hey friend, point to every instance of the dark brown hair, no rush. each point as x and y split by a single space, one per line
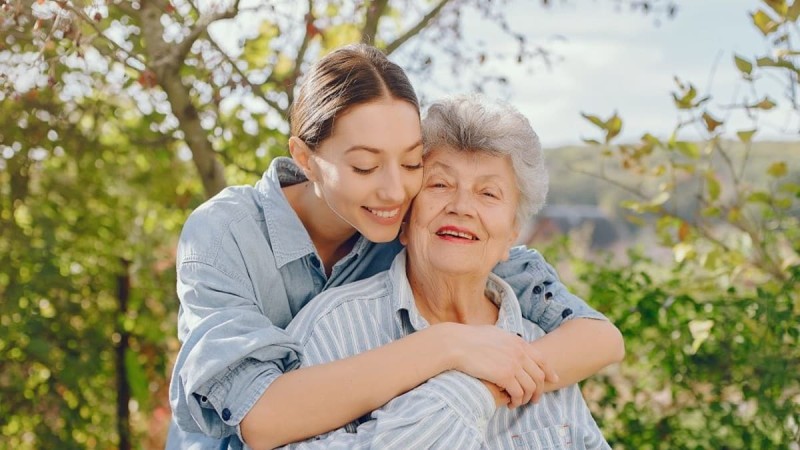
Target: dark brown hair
349 76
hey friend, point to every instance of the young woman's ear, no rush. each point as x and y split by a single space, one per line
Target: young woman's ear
301 155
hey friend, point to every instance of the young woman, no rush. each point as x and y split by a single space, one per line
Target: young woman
250 258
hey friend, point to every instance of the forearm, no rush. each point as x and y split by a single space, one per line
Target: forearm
449 411
580 348
314 400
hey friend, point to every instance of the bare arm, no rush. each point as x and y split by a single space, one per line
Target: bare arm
578 349
314 400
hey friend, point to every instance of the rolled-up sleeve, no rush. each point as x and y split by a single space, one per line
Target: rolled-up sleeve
449 411
231 352
544 300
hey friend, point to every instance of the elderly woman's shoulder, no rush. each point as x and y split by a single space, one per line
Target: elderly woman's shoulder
364 297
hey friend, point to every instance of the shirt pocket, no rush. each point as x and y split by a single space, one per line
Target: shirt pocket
555 437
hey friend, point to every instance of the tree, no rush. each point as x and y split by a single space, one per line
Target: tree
126 115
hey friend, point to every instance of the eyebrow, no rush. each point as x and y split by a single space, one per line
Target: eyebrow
377 150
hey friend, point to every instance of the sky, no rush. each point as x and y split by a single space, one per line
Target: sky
613 59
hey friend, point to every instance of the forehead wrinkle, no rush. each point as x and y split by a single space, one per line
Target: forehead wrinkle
450 170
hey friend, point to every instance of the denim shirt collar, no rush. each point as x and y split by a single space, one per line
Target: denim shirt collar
509 317
289 238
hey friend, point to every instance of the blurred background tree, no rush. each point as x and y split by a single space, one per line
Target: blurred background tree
120 117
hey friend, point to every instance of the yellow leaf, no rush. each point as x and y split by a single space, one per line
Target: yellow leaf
777 169
688 148
713 186
764 22
700 331
594 119
746 136
683 251
779 6
744 66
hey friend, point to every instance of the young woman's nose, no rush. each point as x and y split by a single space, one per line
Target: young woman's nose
392 186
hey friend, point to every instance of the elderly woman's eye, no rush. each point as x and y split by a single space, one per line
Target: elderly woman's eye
490 194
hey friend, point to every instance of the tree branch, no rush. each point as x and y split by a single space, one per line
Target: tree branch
413 31
205 159
254 87
201 26
88 20
375 11
289 83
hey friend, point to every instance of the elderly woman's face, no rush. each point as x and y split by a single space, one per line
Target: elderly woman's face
464 218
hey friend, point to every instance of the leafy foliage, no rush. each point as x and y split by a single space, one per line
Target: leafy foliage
712 335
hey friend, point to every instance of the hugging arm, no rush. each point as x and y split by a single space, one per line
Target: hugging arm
580 341
450 411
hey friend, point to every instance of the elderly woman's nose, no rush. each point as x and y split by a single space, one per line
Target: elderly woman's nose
461 202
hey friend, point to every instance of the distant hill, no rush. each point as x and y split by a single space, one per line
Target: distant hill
577 200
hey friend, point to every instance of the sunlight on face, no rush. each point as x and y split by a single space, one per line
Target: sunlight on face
370 168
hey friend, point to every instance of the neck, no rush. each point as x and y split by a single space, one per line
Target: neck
451 298
333 238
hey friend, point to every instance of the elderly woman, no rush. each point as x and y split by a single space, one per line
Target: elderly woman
484 175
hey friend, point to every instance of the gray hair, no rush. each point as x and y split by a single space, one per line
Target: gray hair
476 124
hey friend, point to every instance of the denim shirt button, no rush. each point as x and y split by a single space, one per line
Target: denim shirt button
226 414
537 290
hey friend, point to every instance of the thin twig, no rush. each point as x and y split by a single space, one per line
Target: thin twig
413 31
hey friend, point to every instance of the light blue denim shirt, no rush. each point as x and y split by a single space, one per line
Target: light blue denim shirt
246 266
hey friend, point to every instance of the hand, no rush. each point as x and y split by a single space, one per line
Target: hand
492 354
501 397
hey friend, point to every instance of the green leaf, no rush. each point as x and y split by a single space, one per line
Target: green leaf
780 62
137 379
257 51
759 197
744 66
713 186
764 22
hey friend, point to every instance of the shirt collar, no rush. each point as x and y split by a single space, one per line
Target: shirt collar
509 317
288 236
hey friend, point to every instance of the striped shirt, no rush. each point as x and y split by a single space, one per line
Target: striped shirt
449 411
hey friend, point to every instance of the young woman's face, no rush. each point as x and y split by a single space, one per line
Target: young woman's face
370 168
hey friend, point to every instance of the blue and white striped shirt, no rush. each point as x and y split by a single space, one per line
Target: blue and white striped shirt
451 410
